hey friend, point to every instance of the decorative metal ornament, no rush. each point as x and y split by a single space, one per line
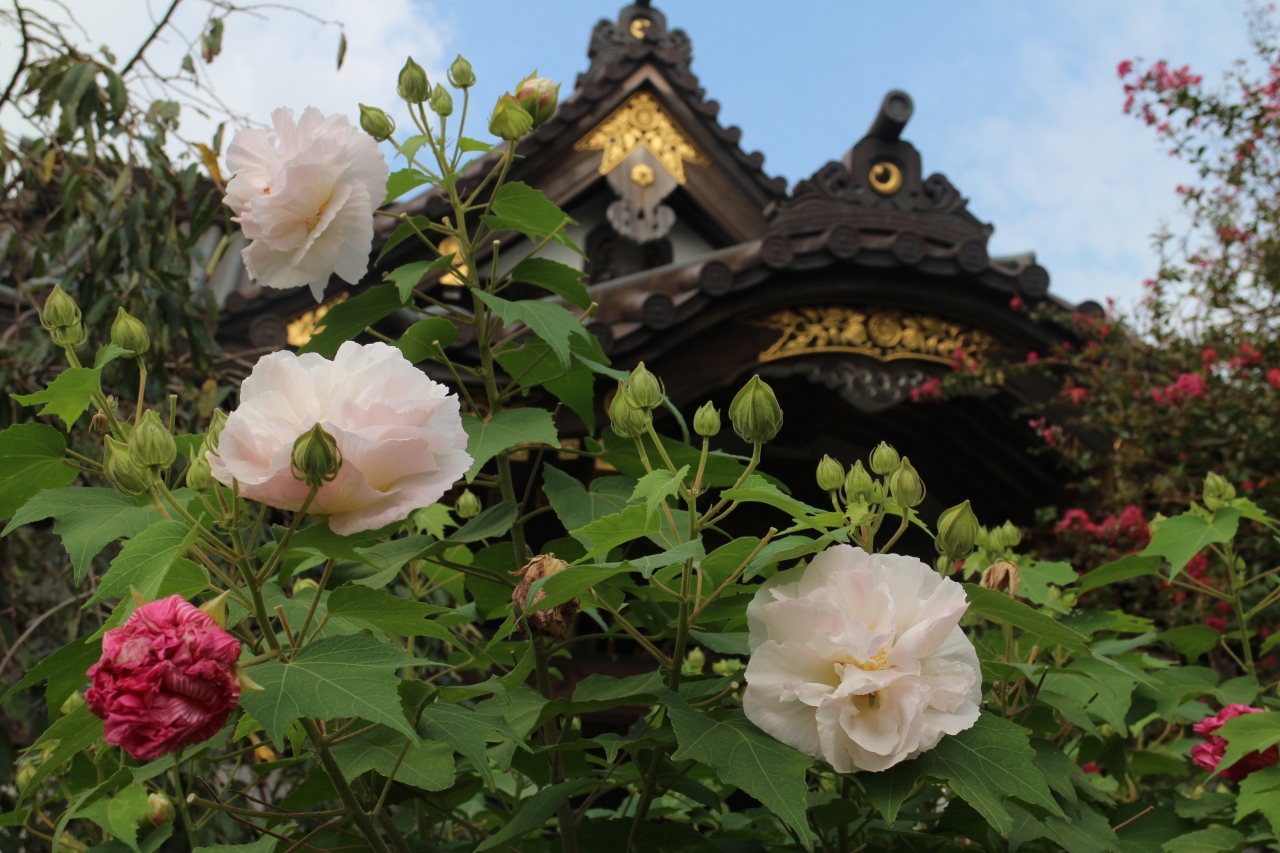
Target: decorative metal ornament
639 25
882 334
642 122
642 175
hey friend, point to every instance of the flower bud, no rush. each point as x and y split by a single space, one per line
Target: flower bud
128 478
645 389
884 459
468 505
150 444
755 413
75 700
214 432
316 457
128 333
858 484
554 621
694 662
302 585
706 421
27 769
509 120
199 475
68 336
1218 491
1002 576
99 424
413 85
538 96
957 530
376 123
441 102
830 474
1007 535
60 311
460 74
159 810
875 495
628 419
905 486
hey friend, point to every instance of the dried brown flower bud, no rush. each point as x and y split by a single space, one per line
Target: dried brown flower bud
99 424
1002 576
554 621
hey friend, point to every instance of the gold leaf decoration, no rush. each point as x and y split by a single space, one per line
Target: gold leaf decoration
881 333
642 121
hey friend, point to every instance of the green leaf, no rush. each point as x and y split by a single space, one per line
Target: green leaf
1260 791
402 181
1180 538
348 676
547 320
757 489
577 506
490 524
108 353
406 278
119 815
68 395
747 758
1001 608
1192 640
76 731
1219 839
1126 568
17 817
728 643
145 560
403 232
427 765
87 519
889 789
418 342
1249 733
64 670
265 844
569 584
1037 578
1103 691
519 207
611 531
533 813
466 732
987 763
534 366
346 320
30 462
321 539
507 428
655 487
467 145
561 279
402 616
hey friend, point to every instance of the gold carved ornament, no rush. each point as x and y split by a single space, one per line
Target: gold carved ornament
883 334
641 121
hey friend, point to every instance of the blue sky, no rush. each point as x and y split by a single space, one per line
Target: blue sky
1017 103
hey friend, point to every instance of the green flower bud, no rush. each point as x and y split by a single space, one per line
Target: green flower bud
159 810
214 432
316 457
27 770
75 700
302 585
957 531
628 419
645 389
876 494
706 421
468 505
460 74
1218 491
376 123
830 474
413 85
509 121
884 459
539 97
694 662
755 413
128 478
60 311
128 333
150 444
441 102
1007 535
858 485
68 336
905 487
199 476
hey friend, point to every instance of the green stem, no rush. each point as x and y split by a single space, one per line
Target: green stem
348 796
182 803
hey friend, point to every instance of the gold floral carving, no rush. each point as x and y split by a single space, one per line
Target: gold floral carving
641 121
884 334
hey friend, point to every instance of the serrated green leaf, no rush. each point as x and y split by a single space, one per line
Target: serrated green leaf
1218 839
427 765
549 321
1180 538
1192 640
569 584
418 342
108 353
607 533
346 320
561 279
1102 690
535 367
467 145
1126 568
406 277
68 395
87 519
988 763
145 560
76 731
1249 733
747 758
655 487
490 524
533 813
403 232
467 732
402 181
265 844
381 609
507 428
348 676
119 815
1260 791
31 460
889 789
1038 578
518 207
1001 608
577 506
64 670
